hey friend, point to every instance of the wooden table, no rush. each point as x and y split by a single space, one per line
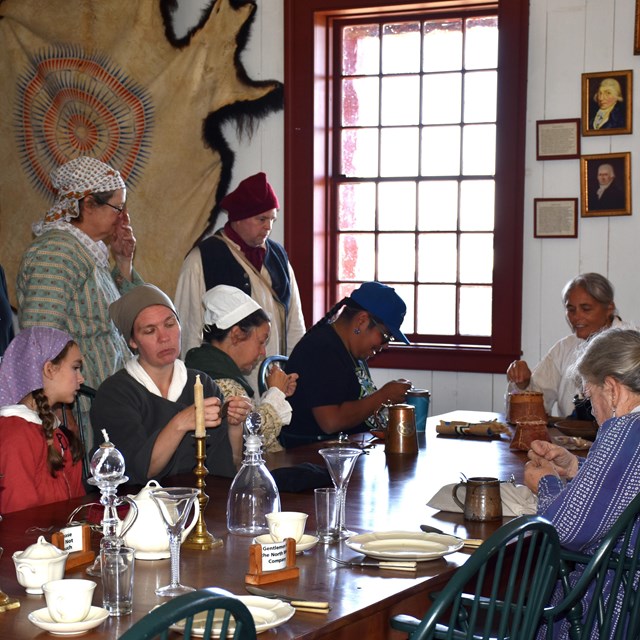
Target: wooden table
385 492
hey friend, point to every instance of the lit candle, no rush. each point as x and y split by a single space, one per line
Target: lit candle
198 396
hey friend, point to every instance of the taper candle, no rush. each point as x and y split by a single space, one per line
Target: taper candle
198 397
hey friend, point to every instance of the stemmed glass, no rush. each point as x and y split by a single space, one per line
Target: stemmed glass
340 462
174 504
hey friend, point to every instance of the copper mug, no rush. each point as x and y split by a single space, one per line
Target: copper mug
401 435
482 501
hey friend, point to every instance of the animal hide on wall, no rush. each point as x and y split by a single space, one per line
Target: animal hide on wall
111 80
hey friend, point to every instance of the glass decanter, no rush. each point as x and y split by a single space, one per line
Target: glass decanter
253 492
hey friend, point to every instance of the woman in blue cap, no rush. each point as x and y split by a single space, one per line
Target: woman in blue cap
335 392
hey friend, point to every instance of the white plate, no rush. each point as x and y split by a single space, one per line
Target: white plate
404 545
306 542
267 613
42 619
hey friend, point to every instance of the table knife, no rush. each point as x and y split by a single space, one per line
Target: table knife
397 565
468 542
298 603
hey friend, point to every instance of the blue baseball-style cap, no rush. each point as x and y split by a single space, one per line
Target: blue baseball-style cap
385 304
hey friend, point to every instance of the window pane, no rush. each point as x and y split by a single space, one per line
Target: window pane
437 261
356 206
442 45
360 102
396 257
399 152
438 205
476 257
407 294
397 206
360 152
480 96
401 47
481 46
356 256
441 151
477 205
441 98
437 309
400 100
479 150
475 311
361 49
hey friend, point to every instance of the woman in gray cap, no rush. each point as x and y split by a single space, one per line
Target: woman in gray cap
148 409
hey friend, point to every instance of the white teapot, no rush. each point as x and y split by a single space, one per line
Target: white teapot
39 563
148 534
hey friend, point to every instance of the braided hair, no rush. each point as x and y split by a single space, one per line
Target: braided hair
349 307
49 419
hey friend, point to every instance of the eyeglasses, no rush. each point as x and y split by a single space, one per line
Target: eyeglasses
386 336
120 210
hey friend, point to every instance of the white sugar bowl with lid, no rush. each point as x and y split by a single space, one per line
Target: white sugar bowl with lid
39 563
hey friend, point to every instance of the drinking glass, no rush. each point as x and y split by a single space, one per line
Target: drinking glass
340 462
174 504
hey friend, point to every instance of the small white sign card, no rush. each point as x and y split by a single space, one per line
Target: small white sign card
274 556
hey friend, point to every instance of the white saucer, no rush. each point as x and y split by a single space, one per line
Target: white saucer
306 542
42 619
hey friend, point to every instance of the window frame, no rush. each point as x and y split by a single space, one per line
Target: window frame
307 193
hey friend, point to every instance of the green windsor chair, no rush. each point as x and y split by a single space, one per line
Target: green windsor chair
80 408
499 592
264 369
606 607
221 617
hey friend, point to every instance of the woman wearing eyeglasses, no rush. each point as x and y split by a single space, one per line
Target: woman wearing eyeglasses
335 392
65 280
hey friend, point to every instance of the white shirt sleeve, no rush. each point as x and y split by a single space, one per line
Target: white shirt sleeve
295 320
188 300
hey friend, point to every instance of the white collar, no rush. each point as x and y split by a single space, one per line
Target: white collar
20 411
178 379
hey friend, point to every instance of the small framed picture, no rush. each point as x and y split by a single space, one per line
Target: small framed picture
558 139
555 218
636 36
606 103
605 184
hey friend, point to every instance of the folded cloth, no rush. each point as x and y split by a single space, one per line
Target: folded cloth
481 429
302 477
517 500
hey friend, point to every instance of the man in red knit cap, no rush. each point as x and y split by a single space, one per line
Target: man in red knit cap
242 255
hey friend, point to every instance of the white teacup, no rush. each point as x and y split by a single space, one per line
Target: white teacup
69 600
286 524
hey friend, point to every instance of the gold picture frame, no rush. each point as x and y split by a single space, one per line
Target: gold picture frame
605 184
607 101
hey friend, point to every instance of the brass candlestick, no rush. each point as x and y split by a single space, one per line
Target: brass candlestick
200 538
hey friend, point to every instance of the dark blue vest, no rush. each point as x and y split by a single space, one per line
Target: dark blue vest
220 267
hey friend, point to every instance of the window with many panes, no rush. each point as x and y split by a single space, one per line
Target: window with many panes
414 154
416 169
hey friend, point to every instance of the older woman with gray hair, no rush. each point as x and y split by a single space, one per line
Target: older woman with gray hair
584 497
589 308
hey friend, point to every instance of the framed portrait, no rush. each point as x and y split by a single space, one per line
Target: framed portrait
555 218
607 103
558 139
605 184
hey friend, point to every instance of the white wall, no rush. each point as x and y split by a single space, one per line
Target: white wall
566 38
